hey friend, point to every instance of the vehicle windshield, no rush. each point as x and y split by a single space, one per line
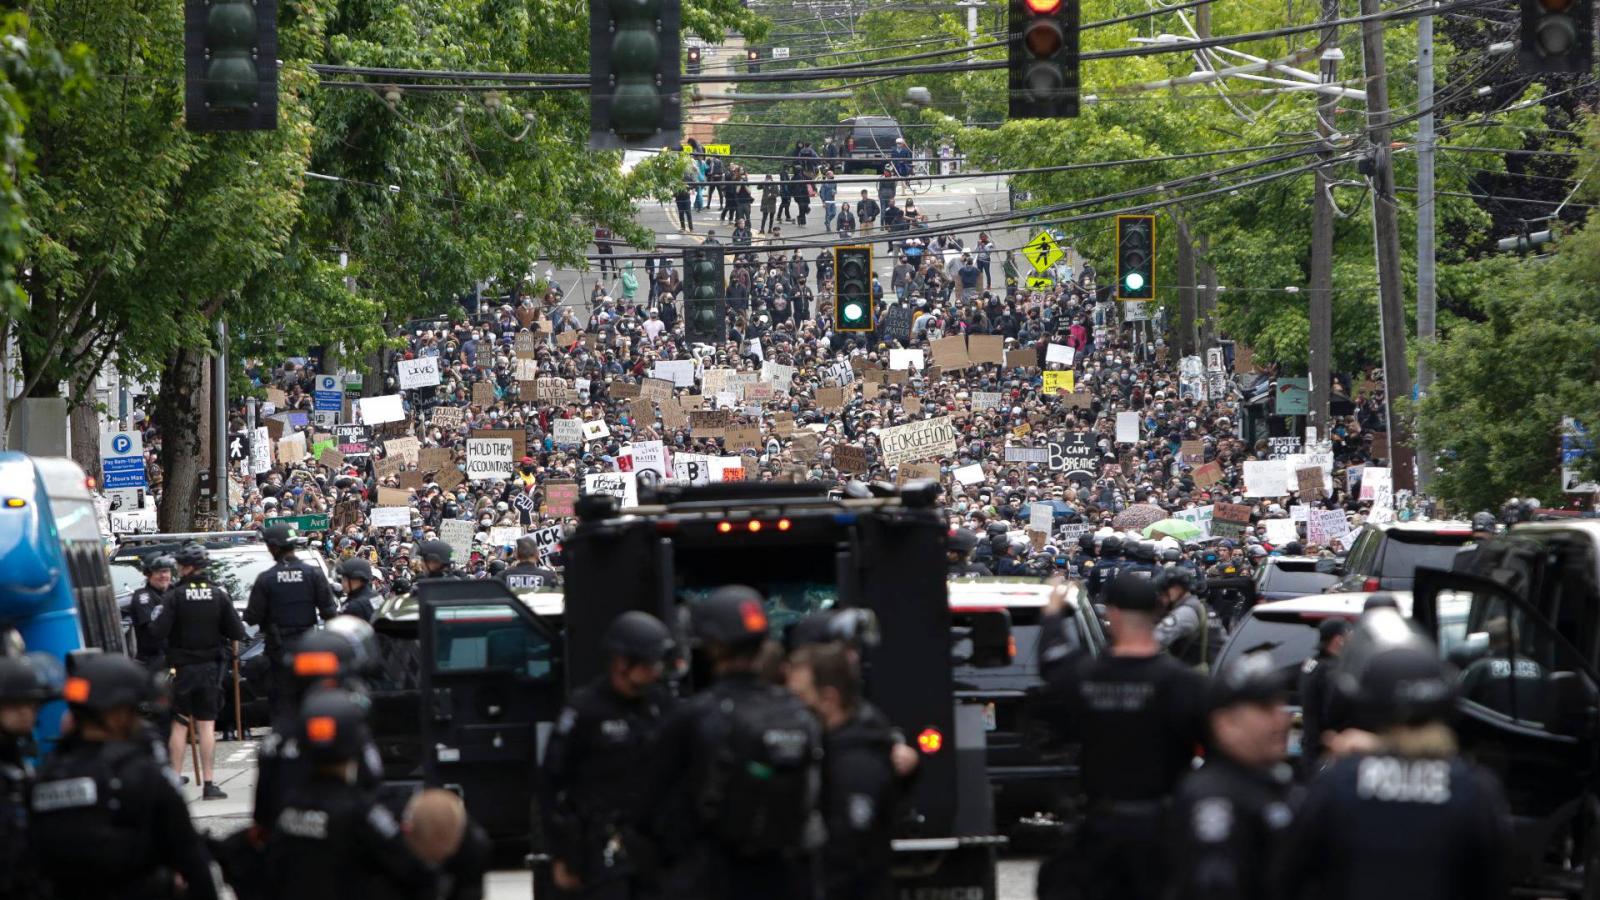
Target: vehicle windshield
1299 578
1408 551
1289 638
790 577
1025 635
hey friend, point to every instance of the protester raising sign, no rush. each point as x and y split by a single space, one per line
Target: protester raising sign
489 458
918 440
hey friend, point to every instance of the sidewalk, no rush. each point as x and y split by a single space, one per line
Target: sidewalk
235 773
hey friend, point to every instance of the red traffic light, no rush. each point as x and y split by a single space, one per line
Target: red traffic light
1042 7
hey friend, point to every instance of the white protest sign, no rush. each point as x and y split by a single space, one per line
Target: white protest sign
837 373
596 430
1370 478
505 535
132 521
1381 482
651 455
918 440
722 465
378 410
458 533
691 468
972 474
1299 512
678 371
547 538
419 373
567 432
1040 517
906 359
1200 516
1058 353
781 376
1320 459
621 485
1324 526
1127 428
1280 531
261 452
1267 478
390 516
490 458
986 399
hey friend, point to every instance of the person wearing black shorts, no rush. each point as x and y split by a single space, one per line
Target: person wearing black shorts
195 618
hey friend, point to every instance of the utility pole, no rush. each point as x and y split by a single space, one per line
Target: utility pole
219 428
1386 240
1321 312
1426 297
972 25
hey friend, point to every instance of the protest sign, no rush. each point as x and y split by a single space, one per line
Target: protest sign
388 496
641 411
482 393
951 353
547 538
837 373
1281 447
1193 453
449 476
850 458
596 430
709 423
741 437
458 533
918 440
906 359
1058 382
390 516
1060 354
490 458
830 398
1280 531
447 417
1207 475
1230 512
924 471
1040 517
622 390
1310 481
378 410
655 389
971 474
559 497
1030 455
780 376
404 449
353 440
1325 525
1021 359
1127 427
1201 516
432 459
1266 478
418 373
691 468
292 449
986 348
517 436
896 323
614 484
410 479
986 399
567 432
678 371
1076 455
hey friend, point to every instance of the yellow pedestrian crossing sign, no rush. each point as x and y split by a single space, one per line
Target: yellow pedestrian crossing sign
1043 252
1039 283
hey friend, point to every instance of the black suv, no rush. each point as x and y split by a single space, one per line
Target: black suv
1031 776
1386 557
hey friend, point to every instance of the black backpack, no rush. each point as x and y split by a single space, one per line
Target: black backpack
762 790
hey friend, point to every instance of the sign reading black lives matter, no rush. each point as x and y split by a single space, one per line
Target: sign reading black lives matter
1075 455
918 440
896 322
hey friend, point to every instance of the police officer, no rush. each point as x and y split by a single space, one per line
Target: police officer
1484 527
1403 816
143 606
285 602
1111 563
959 552
1315 686
1229 817
734 795
1143 555
859 776
1139 714
436 556
21 692
332 840
1183 630
106 820
592 784
527 574
360 600
1085 562
195 620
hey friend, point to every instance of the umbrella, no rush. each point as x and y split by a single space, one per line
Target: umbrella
1138 516
1179 529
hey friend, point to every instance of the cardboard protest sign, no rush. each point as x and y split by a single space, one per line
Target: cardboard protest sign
1310 480
1058 382
1231 512
410 479
449 476
566 339
393 497
691 468
432 459
850 458
404 449
482 393
1021 359
986 348
830 398
447 417
641 412
1192 453
490 458
292 449
655 389
517 436
741 437
559 497
525 341
951 353
918 440
418 373
622 390
912 405
1207 475
917 471
332 458
709 423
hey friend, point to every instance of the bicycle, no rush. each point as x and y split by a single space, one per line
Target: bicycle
918 181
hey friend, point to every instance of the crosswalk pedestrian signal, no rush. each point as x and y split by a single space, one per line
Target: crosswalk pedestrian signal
852 274
1557 36
1136 253
230 65
705 296
1043 49
634 77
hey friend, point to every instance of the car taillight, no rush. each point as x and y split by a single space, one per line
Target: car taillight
1371 584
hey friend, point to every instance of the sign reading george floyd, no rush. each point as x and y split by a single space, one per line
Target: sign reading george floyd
918 440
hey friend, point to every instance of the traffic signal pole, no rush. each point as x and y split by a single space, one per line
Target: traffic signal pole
1321 311
1386 240
1426 297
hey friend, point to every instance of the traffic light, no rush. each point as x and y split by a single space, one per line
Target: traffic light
705 296
691 63
752 58
1557 36
634 74
1136 257
230 65
852 284
1043 44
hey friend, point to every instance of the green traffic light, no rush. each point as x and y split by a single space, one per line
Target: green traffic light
853 312
1134 281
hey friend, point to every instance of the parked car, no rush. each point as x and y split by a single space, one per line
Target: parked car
865 142
1529 707
1287 577
1032 777
1386 557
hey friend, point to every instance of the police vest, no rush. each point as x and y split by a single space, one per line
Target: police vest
290 587
197 630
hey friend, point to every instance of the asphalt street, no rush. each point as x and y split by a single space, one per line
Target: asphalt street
236 775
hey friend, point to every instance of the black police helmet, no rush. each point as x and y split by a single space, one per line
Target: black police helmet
362 639
1252 678
1086 544
281 537
1483 521
192 555
963 540
732 614
333 726
1111 547
157 563
19 683
1133 593
356 567
1392 674
637 636
435 551
1175 577
1171 555
497 566
857 627
321 654
102 682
